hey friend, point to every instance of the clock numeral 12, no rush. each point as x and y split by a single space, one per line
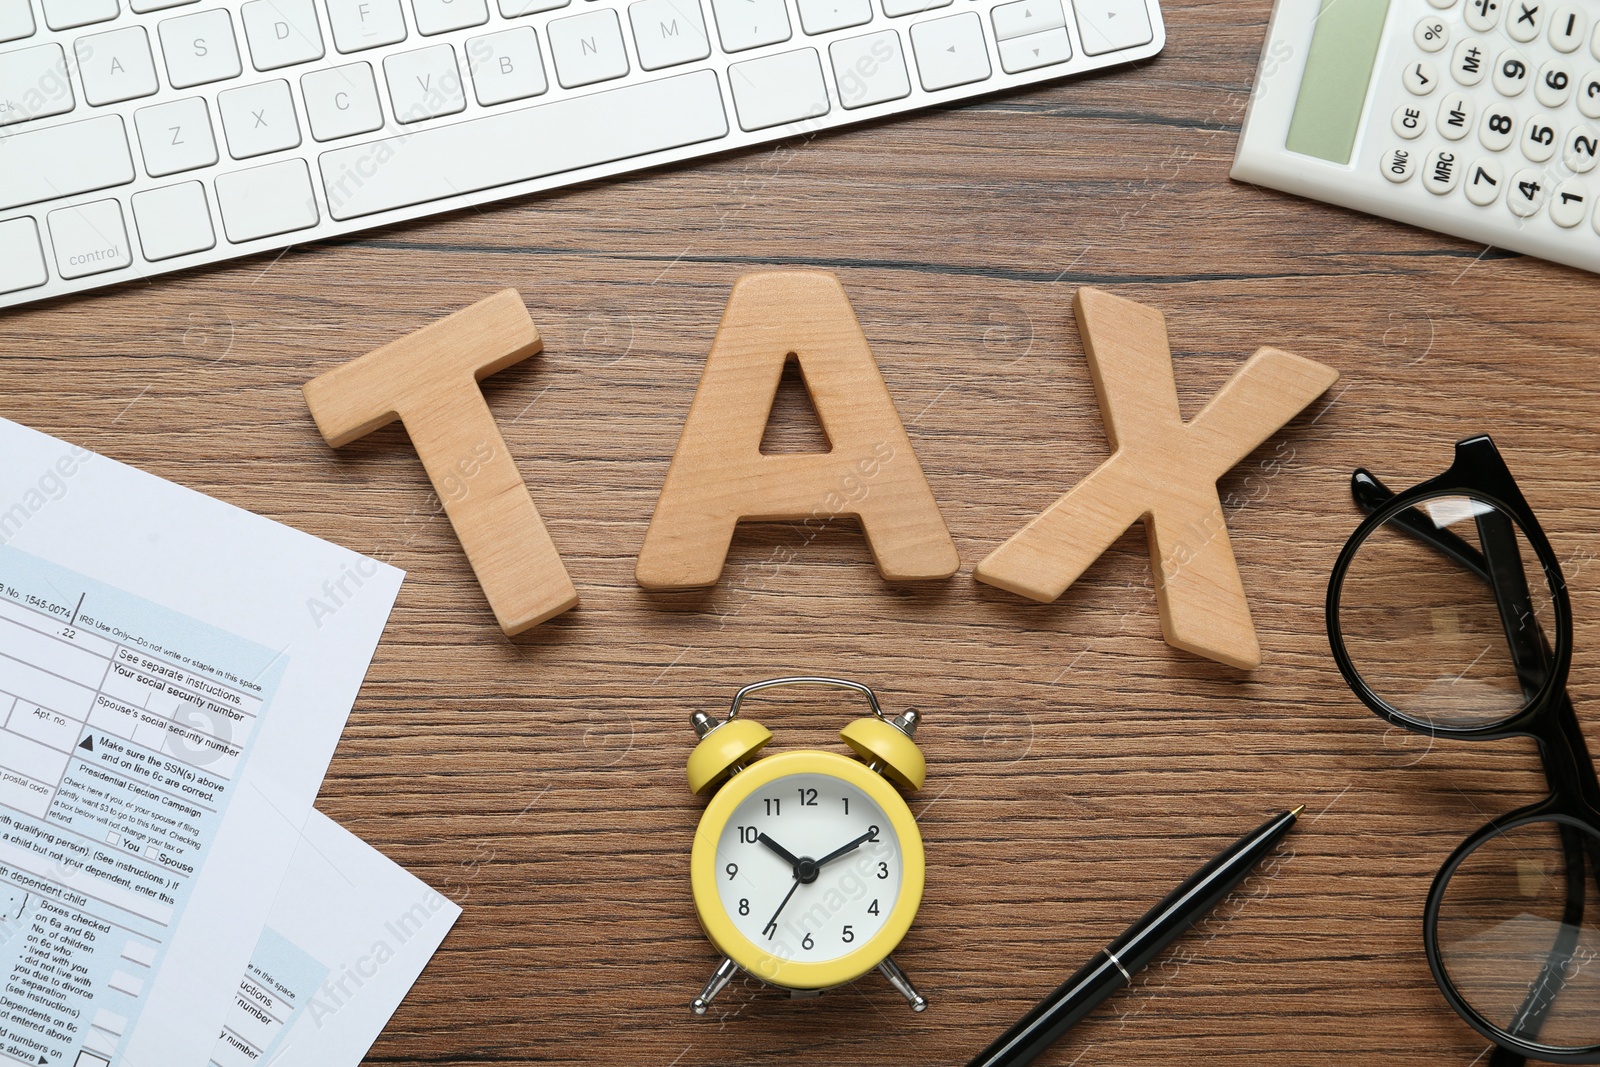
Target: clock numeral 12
808 798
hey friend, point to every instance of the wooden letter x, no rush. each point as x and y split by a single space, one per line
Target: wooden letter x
429 381
1165 472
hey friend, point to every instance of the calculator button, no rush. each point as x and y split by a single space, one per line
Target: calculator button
1483 181
1431 34
1483 15
1539 138
1567 28
1589 95
1554 86
1443 4
1398 165
1442 172
1527 193
1497 129
1525 19
1510 73
1569 203
1582 144
1456 116
1469 61
1421 78
1408 122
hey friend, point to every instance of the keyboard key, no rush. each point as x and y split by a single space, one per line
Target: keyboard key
776 89
897 8
1510 73
1525 19
116 66
506 66
258 119
425 83
57 161
33 84
869 69
16 22
950 51
514 146
1527 193
266 201
1483 181
1457 116
1582 144
514 8
1569 203
744 24
668 32
341 101
1469 62
1025 17
1539 138
1568 26
1112 25
361 24
70 14
175 137
587 48
823 16
1442 171
173 221
281 33
89 239
1034 51
144 6
21 258
1497 128
199 48
442 16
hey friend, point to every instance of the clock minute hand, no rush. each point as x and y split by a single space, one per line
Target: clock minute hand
870 835
772 923
789 857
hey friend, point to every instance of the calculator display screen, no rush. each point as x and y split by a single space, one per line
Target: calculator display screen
1334 88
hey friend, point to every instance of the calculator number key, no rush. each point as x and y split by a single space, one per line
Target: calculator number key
1497 129
1527 193
1554 84
1510 73
1398 165
1409 122
1582 146
1589 95
1539 138
1470 62
1569 203
1421 78
1456 116
1483 181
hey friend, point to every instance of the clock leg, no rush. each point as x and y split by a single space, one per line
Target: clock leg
725 972
898 979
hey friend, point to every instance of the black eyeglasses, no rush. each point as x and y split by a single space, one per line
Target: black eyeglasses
1436 627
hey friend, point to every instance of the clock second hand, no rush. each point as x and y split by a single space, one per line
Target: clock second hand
772 923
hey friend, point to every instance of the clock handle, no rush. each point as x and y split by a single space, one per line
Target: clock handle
832 683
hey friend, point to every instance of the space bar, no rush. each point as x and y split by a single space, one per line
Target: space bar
581 131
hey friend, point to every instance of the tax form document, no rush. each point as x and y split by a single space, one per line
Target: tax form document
349 934
174 676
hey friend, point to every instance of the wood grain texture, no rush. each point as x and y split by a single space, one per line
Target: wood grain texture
1163 471
1078 767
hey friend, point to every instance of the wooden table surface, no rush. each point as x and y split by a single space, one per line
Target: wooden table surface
1078 766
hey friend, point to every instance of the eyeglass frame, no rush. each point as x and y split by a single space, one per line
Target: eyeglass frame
1479 472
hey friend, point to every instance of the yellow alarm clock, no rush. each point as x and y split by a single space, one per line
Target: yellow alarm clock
807 866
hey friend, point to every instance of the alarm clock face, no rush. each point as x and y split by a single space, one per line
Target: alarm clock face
808 868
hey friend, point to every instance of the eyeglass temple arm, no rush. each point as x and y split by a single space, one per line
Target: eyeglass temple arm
1530 652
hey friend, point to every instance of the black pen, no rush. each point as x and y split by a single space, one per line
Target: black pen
1113 966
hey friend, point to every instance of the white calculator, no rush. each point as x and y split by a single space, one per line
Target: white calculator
1477 118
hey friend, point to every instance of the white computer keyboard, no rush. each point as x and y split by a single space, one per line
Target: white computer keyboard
1476 118
145 136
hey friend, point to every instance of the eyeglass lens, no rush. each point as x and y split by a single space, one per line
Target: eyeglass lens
1519 933
1424 626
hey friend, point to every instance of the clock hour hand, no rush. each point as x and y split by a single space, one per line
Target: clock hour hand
789 857
870 835
772 923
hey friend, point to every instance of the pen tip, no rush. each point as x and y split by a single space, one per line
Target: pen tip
1296 812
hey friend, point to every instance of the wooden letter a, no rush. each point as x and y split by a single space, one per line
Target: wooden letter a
719 476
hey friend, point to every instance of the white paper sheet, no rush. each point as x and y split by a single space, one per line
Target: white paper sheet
174 676
349 933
